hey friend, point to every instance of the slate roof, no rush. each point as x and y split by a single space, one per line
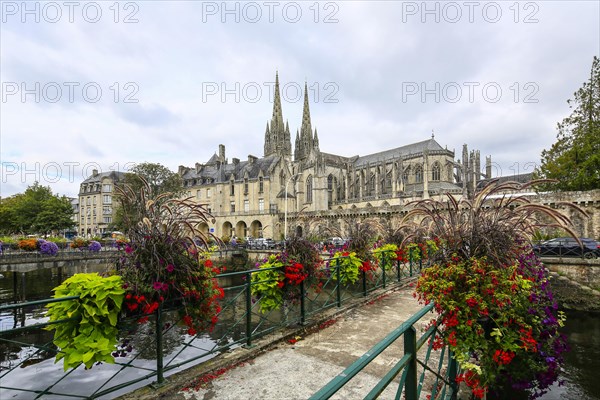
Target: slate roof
222 172
410 149
114 175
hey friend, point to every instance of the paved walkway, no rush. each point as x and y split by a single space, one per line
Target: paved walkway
279 370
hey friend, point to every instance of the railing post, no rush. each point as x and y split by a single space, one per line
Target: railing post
383 264
398 269
452 371
159 346
410 347
248 309
338 291
364 282
410 262
302 303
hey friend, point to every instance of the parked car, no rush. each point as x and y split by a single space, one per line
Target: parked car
568 247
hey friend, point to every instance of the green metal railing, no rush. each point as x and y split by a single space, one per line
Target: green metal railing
442 382
240 324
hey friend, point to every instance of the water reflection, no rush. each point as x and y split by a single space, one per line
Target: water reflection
582 362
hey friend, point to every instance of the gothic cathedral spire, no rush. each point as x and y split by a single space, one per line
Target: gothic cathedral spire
277 136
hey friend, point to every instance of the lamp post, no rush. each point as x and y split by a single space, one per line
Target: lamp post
285 210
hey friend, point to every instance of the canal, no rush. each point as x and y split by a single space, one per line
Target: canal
580 376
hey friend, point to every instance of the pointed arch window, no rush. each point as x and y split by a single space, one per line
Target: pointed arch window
405 175
261 184
419 174
309 189
436 171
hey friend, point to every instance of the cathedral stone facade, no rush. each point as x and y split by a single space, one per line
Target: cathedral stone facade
310 190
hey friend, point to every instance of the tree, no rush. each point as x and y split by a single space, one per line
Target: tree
159 179
36 211
574 160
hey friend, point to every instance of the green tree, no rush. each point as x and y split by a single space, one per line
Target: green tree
574 159
37 210
160 180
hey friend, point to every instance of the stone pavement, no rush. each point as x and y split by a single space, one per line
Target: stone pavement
278 369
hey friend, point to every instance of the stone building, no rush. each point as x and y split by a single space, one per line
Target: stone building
96 208
262 196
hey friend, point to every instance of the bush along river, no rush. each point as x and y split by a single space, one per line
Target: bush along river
579 379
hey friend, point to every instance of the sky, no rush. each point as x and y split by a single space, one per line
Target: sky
105 85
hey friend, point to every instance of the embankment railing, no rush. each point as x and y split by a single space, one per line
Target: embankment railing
150 352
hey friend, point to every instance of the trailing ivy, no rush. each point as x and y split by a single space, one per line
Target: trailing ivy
90 334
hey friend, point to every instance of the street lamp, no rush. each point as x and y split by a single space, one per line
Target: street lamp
285 210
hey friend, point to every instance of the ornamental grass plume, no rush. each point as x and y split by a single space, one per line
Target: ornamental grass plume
491 293
167 256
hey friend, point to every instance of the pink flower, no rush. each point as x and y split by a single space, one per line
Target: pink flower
170 268
157 286
128 249
165 287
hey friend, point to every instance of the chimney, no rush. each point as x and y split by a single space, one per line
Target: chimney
488 167
94 172
251 158
236 161
222 153
181 170
198 167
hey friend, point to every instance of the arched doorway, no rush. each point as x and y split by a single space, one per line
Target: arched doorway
256 229
227 229
241 230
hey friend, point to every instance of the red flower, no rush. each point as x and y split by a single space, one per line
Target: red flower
208 264
192 332
280 284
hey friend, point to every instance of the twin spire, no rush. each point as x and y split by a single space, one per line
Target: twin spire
277 136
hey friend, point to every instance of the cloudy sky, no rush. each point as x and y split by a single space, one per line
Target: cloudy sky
108 84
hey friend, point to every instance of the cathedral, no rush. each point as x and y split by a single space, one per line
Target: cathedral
310 192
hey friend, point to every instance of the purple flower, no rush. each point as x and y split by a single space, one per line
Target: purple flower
170 268
157 286
94 246
48 248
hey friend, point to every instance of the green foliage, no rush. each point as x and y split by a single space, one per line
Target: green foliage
385 255
36 210
90 336
349 265
156 180
574 159
268 282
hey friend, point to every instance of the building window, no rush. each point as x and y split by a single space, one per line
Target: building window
88 201
231 188
208 193
309 189
107 188
246 205
419 174
94 200
260 184
261 205
273 208
435 172
245 185
232 206
282 178
198 194
107 220
405 176
107 199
